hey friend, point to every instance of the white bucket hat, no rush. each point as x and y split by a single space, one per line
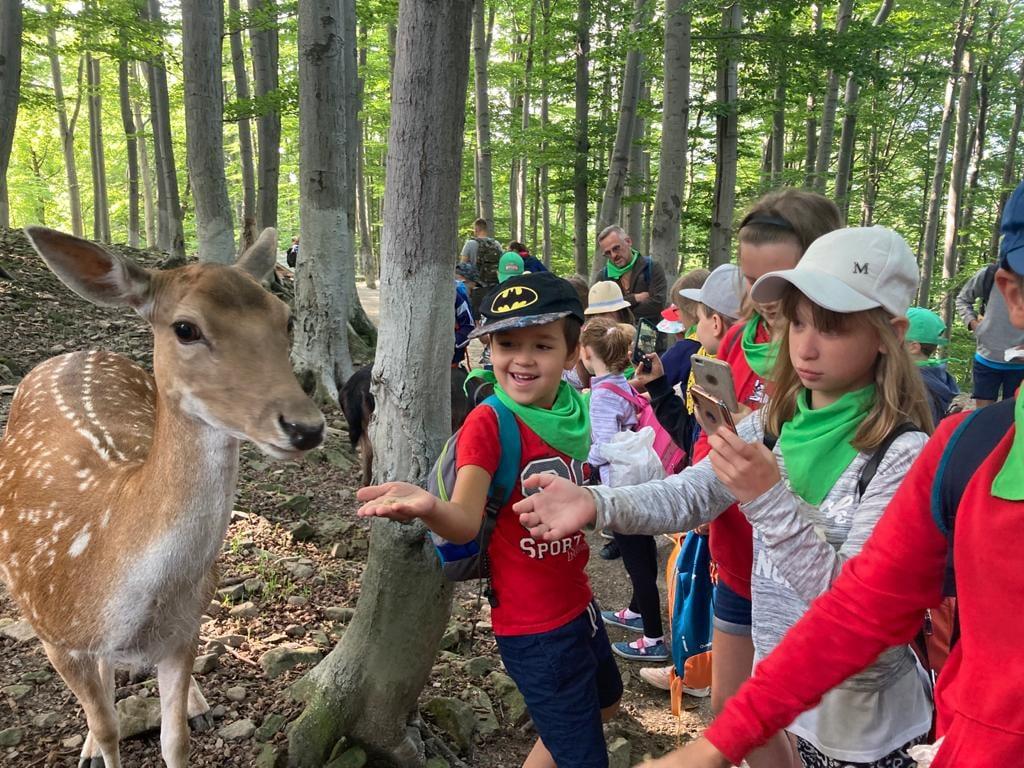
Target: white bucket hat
605 296
849 270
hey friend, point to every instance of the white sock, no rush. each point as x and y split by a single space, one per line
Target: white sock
628 614
653 640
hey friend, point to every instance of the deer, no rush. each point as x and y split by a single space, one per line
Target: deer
116 485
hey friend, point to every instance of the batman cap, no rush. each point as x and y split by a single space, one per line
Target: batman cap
534 299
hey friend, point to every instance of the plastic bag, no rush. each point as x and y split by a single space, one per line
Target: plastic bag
924 753
632 459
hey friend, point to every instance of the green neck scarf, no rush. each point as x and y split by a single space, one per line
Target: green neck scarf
760 355
565 426
815 443
614 273
930 362
1009 483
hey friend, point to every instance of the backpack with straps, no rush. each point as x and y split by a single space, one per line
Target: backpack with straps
465 562
673 458
987 283
488 254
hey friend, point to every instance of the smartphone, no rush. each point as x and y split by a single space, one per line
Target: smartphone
715 378
712 413
646 343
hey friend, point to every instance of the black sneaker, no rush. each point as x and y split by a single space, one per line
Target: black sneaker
610 551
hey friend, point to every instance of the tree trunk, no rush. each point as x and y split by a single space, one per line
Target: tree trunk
929 242
844 166
245 152
524 125
976 144
128 120
867 211
668 199
636 186
1009 165
828 112
726 135
67 127
611 203
263 35
811 129
542 185
957 179
360 690
320 352
366 259
483 112
170 232
778 138
148 199
100 201
11 21
581 208
202 26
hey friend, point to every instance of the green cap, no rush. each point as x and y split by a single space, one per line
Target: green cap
926 327
509 265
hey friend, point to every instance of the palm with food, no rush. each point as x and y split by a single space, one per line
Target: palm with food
396 501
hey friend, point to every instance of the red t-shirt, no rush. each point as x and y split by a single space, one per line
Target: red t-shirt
878 601
540 585
732 539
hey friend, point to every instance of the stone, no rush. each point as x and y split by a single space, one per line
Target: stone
269 757
18 631
337 528
218 712
136 714
512 702
245 610
17 691
301 571
486 722
479 666
277 661
46 720
320 638
11 737
297 600
253 586
204 664
239 729
337 458
231 641
73 742
619 753
340 614
236 693
455 718
271 724
350 758
450 639
295 630
234 593
37 676
339 550
215 647
437 762
302 530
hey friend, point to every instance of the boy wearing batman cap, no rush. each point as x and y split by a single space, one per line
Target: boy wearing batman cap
548 626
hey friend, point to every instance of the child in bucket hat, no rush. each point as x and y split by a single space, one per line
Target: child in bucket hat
544 614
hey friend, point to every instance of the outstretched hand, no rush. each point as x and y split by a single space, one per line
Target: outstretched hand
746 469
396 501
558 509
697 754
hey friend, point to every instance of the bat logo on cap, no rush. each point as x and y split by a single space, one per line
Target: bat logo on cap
511 299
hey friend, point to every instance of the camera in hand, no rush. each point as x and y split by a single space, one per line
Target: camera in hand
646 344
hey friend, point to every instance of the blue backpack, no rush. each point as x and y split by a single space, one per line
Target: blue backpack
465 562
691 605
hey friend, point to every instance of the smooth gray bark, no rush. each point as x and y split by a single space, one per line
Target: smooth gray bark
11 21
581 208
245 150
726 138
148 193
132 145
957 180
367 262
264 38
481 51
97 156
828 110
66 126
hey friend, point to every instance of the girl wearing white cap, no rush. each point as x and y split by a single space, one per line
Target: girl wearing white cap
844 392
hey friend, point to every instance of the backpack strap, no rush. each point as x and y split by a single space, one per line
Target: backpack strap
987 283
647 271
969 445
504 480
867 473
632 396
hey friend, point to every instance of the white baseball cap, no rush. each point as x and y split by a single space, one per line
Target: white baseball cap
721 292
849 270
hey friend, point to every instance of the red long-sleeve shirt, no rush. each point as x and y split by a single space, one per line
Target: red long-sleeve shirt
878 601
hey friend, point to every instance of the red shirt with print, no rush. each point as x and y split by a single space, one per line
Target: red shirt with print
540 585
732 538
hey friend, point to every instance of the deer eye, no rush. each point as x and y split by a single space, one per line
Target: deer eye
187 333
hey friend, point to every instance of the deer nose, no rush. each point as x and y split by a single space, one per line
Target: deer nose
302 436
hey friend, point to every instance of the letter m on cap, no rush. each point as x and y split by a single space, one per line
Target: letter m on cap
860 269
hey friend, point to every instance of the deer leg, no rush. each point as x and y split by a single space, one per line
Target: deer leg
92 682
199 717
174 675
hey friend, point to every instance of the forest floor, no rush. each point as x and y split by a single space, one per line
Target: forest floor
286 591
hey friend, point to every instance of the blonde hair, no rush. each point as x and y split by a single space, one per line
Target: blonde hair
610 341
900 394
693 279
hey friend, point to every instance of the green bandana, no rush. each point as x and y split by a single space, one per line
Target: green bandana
614 273
760 355
815 443
565 426
1009 483
931 362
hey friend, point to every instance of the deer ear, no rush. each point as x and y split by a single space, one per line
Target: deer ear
92 272
261 256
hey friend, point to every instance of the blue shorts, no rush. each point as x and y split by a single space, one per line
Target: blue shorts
732 611
988 381
567 676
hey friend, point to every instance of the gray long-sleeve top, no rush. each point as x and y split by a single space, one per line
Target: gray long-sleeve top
799 549
995 334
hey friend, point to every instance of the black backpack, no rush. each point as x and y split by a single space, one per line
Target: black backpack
488 254
988 281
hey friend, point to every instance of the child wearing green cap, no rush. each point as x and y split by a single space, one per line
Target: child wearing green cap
925 335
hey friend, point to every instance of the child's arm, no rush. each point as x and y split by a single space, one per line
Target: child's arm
457 520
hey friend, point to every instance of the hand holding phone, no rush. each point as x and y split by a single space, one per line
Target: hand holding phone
711 413
714 377
646 343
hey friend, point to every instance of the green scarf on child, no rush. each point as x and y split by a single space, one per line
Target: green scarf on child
760 355
565 426
815 443
1009 482
614 272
